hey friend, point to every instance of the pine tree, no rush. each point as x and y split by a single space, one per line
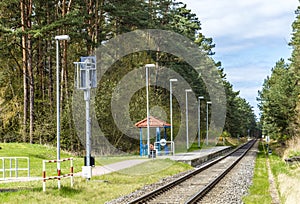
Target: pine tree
277 101
295 72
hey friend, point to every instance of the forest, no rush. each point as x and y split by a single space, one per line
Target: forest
279 99
28 67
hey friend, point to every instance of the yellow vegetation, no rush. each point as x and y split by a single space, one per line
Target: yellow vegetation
293 148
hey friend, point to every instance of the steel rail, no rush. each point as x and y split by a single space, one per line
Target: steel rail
200 194
149 196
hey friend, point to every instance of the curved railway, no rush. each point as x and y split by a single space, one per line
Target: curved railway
192 187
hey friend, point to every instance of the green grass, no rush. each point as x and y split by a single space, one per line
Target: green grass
294 153
259 190
36 153
194 146
98 190
278 166
105 160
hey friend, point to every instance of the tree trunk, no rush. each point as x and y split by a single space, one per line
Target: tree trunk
24 68
31 92
31 76
49 65
50 83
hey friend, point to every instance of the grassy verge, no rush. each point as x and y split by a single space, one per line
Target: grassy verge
36 153
278 167
259 190
105 160
98 190
286 178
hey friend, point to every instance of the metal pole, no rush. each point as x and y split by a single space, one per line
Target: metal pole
87 119
207 103
187 121
88 126
199 120
57 109
148 122
187 118
171 112
206 123
58 38
148 114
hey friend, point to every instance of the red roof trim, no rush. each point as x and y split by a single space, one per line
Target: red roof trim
154 122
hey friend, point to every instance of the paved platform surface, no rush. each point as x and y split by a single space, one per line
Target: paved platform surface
106 169
199 156
197 153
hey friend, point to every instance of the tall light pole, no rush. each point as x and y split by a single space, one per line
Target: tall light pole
147 66
171 111
207 103
199 119
58 38
187 117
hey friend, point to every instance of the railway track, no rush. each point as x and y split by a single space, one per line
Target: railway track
192 187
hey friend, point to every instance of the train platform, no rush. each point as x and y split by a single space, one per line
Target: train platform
199 157
194 159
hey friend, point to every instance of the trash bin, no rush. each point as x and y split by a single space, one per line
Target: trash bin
152 153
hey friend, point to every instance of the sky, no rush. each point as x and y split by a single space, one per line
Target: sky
250 37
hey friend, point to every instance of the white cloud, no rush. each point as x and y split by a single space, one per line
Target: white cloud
251 74
250 94
244 18
230 45
247 92
250 36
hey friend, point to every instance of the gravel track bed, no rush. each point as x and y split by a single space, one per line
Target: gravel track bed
185 190
146 189
229 190
235 185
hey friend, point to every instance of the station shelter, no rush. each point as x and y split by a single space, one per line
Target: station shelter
153 123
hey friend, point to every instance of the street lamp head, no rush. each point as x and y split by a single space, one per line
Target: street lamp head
201 97
208 102
188 90
62 37
150 65
173 80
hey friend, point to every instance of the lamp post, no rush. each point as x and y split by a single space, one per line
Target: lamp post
147 66
171 111
58 38
207 103
199 133
187 117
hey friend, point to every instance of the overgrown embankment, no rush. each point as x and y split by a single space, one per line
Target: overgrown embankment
286 176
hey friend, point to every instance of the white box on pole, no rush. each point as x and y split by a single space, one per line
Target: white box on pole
87 172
